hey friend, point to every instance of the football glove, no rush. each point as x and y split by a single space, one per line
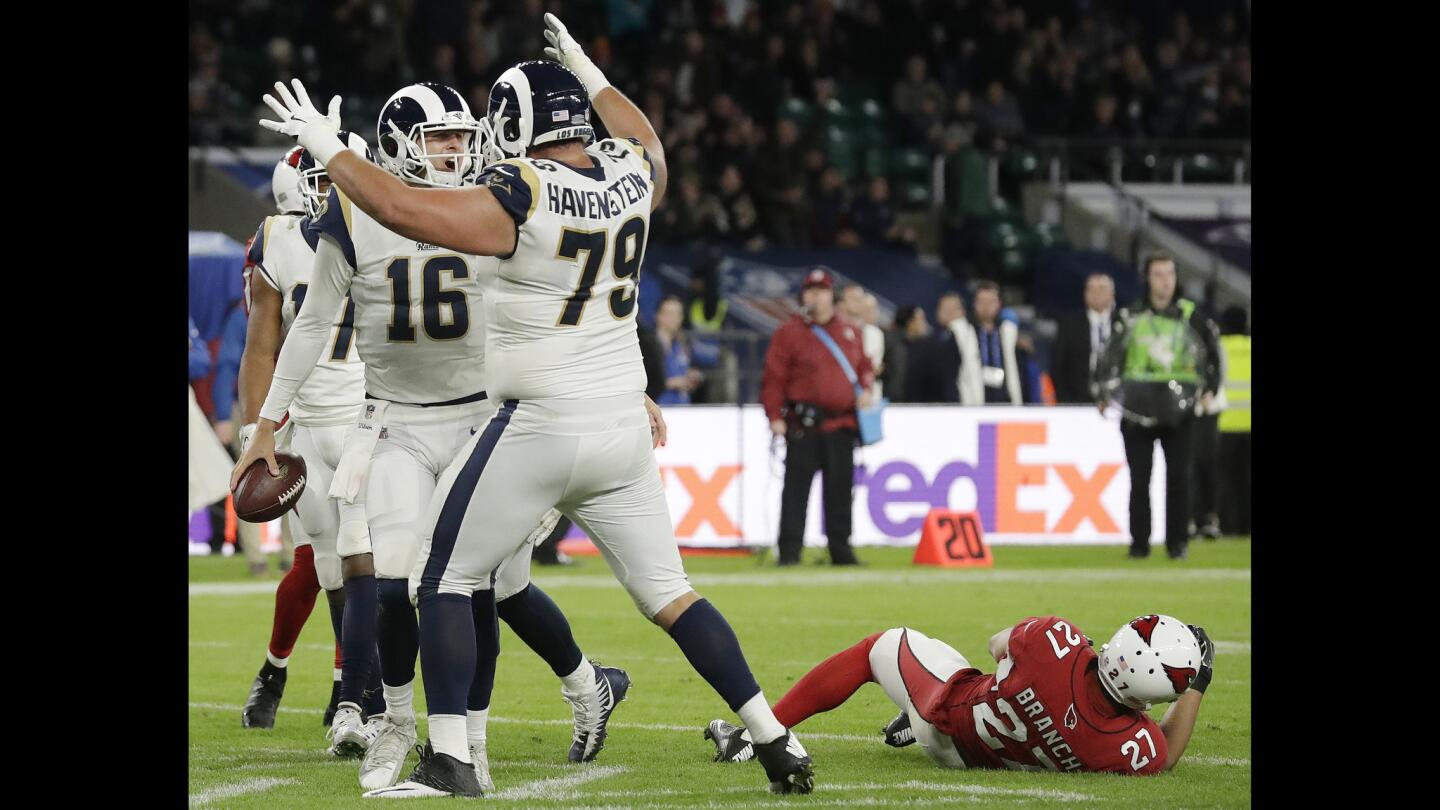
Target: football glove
1207 659
565 50
301 120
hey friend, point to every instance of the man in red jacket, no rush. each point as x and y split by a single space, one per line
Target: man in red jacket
811 401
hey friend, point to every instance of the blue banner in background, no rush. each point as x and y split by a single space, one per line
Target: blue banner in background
216 280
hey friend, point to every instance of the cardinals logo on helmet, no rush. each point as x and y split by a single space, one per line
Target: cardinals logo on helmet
1180 677
1145 626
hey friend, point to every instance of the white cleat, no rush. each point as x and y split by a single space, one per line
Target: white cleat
482 767
349 735
385 758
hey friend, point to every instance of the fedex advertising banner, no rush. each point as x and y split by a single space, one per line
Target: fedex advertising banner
1035 475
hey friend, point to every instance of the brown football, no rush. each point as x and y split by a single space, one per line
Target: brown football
261 497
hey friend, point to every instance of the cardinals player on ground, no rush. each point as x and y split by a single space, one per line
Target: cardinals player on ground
1053 703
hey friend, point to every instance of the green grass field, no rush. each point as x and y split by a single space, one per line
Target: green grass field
787 621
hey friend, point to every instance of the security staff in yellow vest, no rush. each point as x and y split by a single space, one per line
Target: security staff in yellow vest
1235 424
1163 358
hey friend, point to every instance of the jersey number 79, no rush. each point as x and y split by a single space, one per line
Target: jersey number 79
630 247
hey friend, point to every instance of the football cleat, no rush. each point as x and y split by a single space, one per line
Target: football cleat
481 762
264 700
592 711
349 734
385 758
786 764
732 743
898 732
436 775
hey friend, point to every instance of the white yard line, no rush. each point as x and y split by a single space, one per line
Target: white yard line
233 789
813 579
559 788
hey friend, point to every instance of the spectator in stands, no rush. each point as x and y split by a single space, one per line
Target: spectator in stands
692 215
1080 340
999 113
873 219
895 378
934 356
811 403
741 216
857 306
829 202
910 95
680 377
997 366
783 196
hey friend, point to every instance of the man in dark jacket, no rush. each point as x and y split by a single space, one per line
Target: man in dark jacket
1080 341
810 401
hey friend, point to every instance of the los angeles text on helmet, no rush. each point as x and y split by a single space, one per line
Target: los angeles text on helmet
628 190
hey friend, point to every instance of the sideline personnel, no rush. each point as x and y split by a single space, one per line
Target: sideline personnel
810 401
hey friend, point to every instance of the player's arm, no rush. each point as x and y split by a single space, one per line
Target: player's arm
468 220
1179 721
621 116
1178 724
309 334
262 343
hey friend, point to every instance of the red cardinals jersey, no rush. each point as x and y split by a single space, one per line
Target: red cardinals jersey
1044 709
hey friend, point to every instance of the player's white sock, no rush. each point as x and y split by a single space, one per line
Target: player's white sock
400 700
337 674
475 726
582 679
279 663
447 736
760 720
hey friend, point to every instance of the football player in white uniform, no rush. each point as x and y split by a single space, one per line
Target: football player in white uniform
568 223
420 330
278 265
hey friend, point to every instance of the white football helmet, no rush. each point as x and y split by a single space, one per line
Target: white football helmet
285 184
423 108
1152 659
311 172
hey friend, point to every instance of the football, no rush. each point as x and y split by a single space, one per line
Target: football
261 497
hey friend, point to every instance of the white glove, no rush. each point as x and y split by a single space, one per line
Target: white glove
299 119
246 433
568 52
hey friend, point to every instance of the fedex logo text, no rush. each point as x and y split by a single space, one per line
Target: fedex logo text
997 476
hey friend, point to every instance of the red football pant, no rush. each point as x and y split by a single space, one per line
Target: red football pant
294 601
828 685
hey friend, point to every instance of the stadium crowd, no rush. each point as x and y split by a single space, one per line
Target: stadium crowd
786 124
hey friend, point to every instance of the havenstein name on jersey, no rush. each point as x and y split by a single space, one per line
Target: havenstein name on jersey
606 204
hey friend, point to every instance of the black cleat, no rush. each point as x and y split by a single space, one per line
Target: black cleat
1139 552
611 685
898 732
264 700
334 703
786 764
732 743
436 775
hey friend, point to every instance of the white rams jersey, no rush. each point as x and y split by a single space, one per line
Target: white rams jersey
419 320
561 309
283 255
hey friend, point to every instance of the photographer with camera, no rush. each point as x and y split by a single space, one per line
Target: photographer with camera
811 402
1162 357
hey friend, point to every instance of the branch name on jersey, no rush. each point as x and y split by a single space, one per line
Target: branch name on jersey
561 308
1045 709
419 312
282 254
